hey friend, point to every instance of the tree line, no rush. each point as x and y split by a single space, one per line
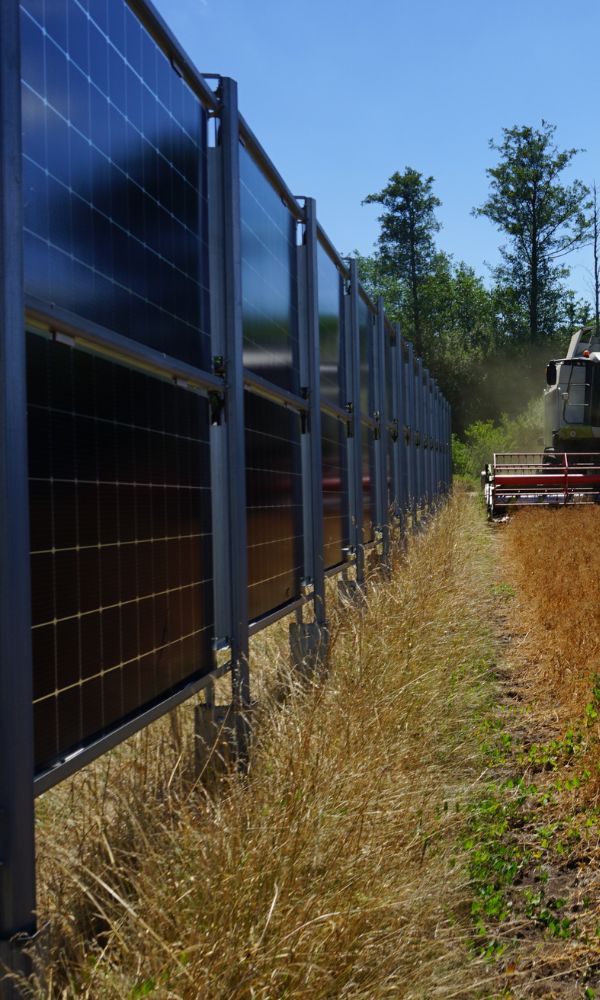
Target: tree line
486 345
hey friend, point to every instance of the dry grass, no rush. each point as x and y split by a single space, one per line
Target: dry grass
332 869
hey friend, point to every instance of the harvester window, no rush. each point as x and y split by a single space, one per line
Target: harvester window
575 387
551 373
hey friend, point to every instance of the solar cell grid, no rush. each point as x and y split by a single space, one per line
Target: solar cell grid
368 479
120 542
391 404
365 334
335 486
269 292
114 170
274 505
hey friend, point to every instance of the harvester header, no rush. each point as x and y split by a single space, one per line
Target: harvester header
568 470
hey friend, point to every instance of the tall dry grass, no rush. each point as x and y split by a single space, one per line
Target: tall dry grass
332 868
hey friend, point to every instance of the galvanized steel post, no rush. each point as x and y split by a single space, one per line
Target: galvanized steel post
228 440
310 638
355 441
426 441
17 857
412 443
403 426
382 437
420 432
397 416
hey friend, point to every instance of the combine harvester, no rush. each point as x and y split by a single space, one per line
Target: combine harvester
568 470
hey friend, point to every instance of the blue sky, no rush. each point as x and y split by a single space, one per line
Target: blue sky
342 94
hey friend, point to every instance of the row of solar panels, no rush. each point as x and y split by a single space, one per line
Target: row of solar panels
122 209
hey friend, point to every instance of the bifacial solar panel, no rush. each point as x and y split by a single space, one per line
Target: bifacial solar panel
114 177
269 285
335 489
121 560
330 329
389 359
274 500
366 332
368 480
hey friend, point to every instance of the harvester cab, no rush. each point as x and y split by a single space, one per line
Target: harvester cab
568 470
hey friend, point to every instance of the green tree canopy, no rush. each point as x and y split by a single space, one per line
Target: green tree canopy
544 219
406 244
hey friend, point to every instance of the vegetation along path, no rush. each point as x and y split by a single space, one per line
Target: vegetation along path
423 823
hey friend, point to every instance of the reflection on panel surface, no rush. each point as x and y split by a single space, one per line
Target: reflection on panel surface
368 481
274 499
389 359
120 540
268 279
335 486
330 329
365 333
114 176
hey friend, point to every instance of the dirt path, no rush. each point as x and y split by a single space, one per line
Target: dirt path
534 841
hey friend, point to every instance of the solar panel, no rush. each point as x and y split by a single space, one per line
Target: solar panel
274 503
335 490
330 329
368 480
114 176
366 321
269 291
121 559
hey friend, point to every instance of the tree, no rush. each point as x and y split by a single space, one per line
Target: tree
406 242
457 326
595 236
543 218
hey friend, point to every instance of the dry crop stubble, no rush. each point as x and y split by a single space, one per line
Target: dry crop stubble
332 868
535 832
553 559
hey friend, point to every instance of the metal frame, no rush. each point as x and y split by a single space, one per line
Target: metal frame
355 440
310 377
380 445
72 763
401 452
395 426
228 455
80 332
409 385
428 414
17 851
420 426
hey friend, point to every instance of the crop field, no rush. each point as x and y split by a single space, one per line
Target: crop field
422 822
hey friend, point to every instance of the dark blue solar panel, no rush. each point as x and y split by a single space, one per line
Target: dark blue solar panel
335 489
330 329
389 360
365 332
269 290
114 148
274 499
368 482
